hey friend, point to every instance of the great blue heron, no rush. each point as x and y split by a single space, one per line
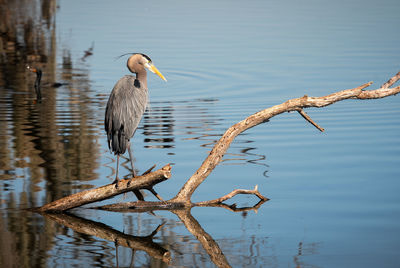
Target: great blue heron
126 105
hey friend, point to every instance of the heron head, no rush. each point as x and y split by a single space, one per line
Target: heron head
136 61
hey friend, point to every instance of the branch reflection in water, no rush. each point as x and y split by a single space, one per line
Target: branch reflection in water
100 230
146 243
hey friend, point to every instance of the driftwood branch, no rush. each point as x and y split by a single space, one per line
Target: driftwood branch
183 198
232 194
141 206
220 148
235 208
308 118
105 192
145 206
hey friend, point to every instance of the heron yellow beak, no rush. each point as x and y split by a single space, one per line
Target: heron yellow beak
153 69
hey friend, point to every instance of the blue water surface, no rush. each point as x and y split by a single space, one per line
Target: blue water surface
334 198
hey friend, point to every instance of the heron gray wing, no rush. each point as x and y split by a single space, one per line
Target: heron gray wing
124 111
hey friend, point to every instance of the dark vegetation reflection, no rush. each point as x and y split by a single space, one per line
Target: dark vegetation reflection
44 147
51 139
48 148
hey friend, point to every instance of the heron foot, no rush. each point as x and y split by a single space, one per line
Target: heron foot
116 182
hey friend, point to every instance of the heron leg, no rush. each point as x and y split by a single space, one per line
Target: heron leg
137 192
131 158
116 173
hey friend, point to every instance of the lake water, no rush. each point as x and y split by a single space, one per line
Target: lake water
334 196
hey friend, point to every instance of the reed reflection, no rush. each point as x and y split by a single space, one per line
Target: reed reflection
23 42
158 126
54 140
194 120
23 242
46 148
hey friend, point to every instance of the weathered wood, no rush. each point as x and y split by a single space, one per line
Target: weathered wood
98 194
308 118
142 206
183 197
220 148
145 206
232 194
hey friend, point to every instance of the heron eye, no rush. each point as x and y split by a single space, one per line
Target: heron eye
147 65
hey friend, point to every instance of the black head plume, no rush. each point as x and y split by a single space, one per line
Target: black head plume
144 55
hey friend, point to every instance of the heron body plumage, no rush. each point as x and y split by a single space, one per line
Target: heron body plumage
126 105
124 110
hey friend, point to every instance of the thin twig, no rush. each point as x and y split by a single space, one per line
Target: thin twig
308 118
149 170
232 194
391 81
151 189
236 209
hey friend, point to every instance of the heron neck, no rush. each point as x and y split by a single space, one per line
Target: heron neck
142 77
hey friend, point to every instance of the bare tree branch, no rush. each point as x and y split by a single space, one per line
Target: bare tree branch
378 93
142 206
98 194
220 148
183 198
232 194
391 81
308 118
235 208
146 206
